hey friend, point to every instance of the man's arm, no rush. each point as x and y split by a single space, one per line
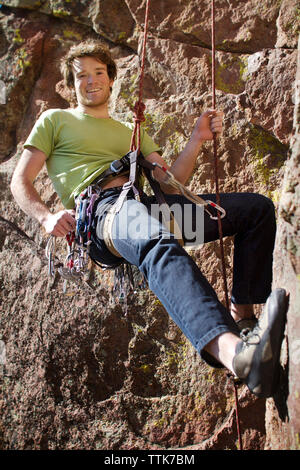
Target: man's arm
207 124
25 194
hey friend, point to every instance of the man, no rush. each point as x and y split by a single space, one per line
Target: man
79 143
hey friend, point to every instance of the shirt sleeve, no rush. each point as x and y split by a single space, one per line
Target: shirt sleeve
42 134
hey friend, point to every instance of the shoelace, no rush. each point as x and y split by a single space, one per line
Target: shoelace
247 335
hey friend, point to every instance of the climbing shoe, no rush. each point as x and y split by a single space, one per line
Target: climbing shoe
257 356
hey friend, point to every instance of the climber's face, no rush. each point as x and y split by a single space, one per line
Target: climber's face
91 81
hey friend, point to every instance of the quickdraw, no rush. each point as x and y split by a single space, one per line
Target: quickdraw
172 181
75 264
78 242
50 255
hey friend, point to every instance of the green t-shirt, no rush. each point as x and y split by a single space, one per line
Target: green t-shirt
79 147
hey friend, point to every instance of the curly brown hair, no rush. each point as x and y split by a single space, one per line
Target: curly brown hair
90 48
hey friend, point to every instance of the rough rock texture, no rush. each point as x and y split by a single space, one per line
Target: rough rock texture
79 373
283 415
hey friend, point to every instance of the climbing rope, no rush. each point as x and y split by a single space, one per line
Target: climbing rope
140 107
215 152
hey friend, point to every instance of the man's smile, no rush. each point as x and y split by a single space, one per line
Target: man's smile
94 90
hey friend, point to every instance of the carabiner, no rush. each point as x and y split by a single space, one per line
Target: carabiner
215 206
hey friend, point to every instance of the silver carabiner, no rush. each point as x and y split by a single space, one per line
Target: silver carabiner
218 208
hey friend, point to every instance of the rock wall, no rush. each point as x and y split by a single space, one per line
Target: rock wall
79 370
283 413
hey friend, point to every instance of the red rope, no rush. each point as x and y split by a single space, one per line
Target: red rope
213 40
139 107
237 414
216 156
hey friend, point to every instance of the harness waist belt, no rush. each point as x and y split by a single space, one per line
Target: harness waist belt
116 167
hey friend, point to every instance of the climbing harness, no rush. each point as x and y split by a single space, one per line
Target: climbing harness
76 262
79 242
77 259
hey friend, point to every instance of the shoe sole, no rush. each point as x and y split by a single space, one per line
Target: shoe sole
260 370
269 347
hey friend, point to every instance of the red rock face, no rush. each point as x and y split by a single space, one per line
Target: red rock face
283 418
78 373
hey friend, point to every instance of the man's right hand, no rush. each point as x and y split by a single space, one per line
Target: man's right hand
60 223
25 194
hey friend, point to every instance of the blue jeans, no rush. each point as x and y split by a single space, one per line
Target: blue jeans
173 275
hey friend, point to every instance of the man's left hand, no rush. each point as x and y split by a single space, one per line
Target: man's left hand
208 124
